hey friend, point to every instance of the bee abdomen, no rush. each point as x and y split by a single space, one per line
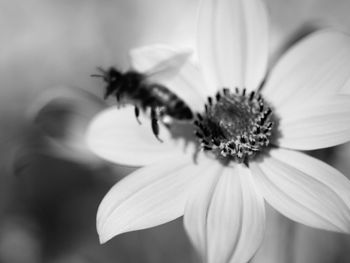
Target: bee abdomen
178 109
175 107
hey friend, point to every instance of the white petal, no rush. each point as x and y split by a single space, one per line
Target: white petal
225 217
116 136
305 189
197 207
278 243
174 69
318 65
151 196
233 42
323 123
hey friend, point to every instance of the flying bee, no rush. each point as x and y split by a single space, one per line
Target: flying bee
132 87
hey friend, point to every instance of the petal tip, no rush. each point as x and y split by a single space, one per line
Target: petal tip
104 238
105 233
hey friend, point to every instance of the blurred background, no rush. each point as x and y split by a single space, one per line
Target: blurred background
50 185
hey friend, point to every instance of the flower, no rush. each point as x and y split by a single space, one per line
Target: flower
223 204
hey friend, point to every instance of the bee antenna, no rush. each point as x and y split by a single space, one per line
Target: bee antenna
96 76
101 70
103 75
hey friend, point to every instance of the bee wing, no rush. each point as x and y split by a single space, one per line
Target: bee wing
159 61
176 70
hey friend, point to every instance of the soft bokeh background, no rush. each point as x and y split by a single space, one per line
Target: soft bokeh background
50 187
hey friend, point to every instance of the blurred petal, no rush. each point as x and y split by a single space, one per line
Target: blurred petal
115 135
62 114
233 42
225 217
305 189
61 95
323 123
151 196
318 65
174 69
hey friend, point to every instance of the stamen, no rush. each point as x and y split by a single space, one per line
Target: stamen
199 135
216 142
210 101
207 148
234 126
261 107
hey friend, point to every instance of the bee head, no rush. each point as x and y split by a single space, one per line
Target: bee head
112 77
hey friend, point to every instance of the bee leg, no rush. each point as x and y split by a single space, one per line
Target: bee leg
168 125
117 96
137 114
167 122
164 119
155 126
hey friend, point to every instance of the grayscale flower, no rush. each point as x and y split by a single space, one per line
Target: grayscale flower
251 137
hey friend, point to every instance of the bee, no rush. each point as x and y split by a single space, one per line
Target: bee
132 87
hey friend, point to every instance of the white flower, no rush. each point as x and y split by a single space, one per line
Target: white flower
223 205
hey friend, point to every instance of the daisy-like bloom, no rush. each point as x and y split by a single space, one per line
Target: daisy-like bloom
250 133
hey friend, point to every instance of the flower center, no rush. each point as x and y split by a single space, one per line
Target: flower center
235 125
